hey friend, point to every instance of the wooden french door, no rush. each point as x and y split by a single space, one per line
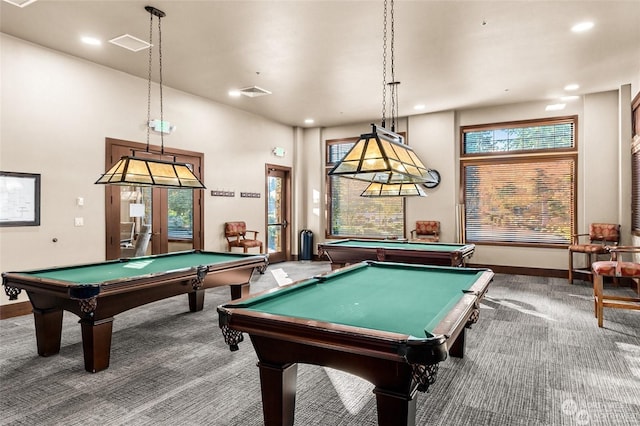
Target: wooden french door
278 205
172 217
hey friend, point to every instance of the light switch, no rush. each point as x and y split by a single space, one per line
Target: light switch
80 201
79 221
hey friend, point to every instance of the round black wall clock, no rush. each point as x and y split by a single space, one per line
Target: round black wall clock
435 179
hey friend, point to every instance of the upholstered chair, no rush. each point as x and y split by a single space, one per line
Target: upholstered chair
236 235
426 230
600 236
618 268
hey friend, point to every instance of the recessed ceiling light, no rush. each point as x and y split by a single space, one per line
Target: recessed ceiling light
20 3
309 121
572 86
91 41
555 107
419 107
569 98
234 93
582 27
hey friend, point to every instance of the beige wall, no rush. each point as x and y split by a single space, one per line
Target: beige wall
58 110
56 113
435 138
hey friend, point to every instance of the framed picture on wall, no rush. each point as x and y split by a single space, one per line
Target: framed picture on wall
19 199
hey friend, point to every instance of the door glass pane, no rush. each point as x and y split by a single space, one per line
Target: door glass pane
135 217
180 219
274 212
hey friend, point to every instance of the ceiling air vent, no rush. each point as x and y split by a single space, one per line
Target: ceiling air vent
20 3
130 42
254 92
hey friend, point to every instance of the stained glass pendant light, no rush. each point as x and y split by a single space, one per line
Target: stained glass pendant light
394 190
143 170
381 157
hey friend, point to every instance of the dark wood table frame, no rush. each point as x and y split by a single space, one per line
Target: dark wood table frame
397 365
96 305
341 255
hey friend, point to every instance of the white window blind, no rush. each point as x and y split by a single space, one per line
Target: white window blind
519 182
349 214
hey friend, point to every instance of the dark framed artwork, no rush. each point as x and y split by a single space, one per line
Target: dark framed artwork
19 199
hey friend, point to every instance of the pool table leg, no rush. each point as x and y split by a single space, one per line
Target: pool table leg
395 409
196 298
457 348
48 330
278 384
239 290
96 343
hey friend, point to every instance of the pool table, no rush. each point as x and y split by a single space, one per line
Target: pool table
344 252
98 291
388 323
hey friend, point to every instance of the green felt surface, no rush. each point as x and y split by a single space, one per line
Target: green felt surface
406 299
108 271
399 245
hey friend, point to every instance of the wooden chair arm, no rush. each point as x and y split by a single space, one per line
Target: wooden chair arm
600 238
233 238
255 234
575 238
615 249
624 248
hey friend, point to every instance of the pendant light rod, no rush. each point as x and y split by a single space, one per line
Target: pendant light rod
384 67
381 157
159 14
393 90
145 171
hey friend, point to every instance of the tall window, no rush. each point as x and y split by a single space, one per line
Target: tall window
519 181
635 165
349 214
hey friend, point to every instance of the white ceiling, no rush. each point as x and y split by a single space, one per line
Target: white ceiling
323 59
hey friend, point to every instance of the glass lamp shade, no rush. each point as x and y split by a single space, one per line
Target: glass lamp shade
394 190
381 157
150 172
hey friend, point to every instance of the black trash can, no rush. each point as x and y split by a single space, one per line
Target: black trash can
306 245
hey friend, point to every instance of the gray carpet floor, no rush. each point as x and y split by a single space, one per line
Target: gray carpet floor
536 357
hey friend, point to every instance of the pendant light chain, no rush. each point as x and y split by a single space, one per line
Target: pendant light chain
159 14
149 78
384 66
394 83
150 170
160 80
